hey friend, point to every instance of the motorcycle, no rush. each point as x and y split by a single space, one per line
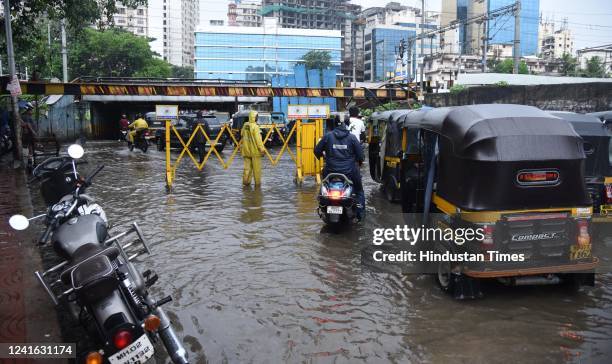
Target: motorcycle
97 279
124 134
140 141
336 199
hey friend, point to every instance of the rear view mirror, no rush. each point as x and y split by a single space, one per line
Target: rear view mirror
19 222
75 151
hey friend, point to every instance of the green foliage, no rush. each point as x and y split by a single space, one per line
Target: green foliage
506 66
594 68
155 68
316 60
114 53
79 14
501 84
569 65
366 113
457 89
182 72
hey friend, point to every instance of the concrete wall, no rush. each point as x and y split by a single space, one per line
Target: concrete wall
585 97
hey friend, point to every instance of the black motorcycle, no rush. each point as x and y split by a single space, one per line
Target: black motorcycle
140 141
337 199
97 280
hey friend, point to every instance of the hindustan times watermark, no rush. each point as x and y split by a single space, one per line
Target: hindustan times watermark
407 245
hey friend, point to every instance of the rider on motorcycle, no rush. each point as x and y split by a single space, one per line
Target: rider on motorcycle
138 125
343 154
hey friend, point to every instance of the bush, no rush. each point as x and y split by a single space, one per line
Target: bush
457 89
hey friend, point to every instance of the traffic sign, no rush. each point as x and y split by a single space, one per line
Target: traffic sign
297 111
166 112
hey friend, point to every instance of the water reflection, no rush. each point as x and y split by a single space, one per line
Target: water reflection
255 278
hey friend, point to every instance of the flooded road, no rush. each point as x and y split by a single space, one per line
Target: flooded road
255 278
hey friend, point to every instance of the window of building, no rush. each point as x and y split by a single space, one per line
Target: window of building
140 12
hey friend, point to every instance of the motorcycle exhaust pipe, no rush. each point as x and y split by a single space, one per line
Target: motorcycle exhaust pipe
173 345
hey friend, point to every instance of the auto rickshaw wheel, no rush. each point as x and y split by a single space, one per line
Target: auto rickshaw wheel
390 189
444 277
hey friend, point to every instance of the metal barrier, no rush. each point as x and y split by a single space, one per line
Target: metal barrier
307 135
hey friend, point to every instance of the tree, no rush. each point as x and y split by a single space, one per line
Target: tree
506 66
594 68
114 53
182 72
569 65
26 15
316 60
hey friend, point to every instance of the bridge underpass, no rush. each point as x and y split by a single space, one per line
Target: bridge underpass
106 110
109 99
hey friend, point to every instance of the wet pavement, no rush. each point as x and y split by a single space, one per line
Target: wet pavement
255 277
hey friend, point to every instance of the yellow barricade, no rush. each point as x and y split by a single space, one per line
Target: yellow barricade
307 135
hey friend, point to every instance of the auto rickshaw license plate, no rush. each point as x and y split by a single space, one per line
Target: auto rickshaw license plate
580 252
336 210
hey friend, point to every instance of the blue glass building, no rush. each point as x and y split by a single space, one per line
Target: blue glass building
501 29
462 11
249 53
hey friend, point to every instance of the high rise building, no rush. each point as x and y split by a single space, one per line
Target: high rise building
385 27
172 24
258 53
246 13
134 20
500 30
323 14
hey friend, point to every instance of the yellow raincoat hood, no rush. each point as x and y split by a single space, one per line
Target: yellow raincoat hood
252 145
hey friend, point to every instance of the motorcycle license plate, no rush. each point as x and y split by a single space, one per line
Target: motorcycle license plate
138 352
334 210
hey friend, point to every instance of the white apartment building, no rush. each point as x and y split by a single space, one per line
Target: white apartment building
246 13
556 44
603 52
172 23
133 20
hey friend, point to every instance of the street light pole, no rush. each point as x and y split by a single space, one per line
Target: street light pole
517 37
18 149
422 40
64 52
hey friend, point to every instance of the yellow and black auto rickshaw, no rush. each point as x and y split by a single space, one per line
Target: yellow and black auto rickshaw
385 150
514 172
598 166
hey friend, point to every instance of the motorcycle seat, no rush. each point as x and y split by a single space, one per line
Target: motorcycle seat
84 254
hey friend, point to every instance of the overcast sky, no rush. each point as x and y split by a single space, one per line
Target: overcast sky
589 20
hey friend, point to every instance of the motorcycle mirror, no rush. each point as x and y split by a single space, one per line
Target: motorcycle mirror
75 151
19 222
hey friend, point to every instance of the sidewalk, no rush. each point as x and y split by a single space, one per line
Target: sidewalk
26 312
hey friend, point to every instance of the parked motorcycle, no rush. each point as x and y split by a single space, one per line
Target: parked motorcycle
140 141
336 199
97 280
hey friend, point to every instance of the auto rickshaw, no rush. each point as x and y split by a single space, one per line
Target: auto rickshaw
514 172
385 150
598 168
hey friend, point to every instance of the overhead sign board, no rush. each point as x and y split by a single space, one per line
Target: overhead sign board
297 111
166 112
308 111
318 111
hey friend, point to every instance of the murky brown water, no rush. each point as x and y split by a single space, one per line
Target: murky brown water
255 278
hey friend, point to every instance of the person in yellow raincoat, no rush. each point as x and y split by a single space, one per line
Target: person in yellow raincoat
252 150
138 124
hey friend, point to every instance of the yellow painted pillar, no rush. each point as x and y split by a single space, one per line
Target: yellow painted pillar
298 152
169 174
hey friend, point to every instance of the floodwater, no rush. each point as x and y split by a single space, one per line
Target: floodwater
255 277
